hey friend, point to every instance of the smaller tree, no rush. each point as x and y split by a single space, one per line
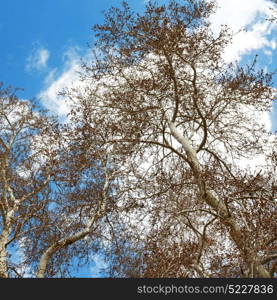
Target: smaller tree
29 141
82 201
57 191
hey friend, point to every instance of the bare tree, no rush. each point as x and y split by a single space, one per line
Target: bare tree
27 154
181 124
56 191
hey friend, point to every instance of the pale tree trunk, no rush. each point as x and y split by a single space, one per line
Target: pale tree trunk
56 247
3 255
62 243
4 240
6 214
4 237
212 200
8 207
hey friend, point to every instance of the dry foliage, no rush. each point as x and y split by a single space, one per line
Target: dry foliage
151 166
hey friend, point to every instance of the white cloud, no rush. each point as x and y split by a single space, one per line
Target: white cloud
99 265
19 256
246 41
237 14
37 60
248 21
252 31
56 81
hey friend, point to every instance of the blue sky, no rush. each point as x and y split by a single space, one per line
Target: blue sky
55 26
41 43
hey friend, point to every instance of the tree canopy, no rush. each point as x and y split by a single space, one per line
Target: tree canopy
165 163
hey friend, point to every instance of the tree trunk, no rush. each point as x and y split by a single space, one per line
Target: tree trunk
212 200
57 246
3 254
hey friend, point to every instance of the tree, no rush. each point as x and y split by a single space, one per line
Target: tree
84 201
180 124
26 169
55 191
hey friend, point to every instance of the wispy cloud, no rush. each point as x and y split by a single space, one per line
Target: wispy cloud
57 80
38 59
237 14
248 21
98 269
